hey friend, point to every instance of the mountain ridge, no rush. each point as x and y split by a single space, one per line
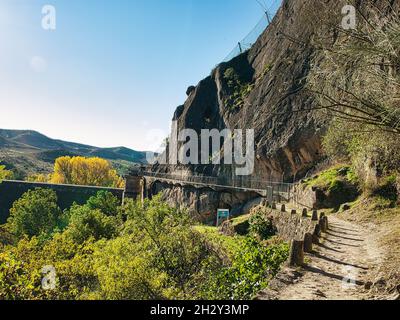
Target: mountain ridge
29 152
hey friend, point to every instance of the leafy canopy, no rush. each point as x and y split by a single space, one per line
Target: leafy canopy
85 171
35 214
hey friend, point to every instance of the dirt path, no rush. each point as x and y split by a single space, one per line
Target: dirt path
339 267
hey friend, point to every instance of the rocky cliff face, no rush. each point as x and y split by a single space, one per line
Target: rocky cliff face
263 89
260 90
202 204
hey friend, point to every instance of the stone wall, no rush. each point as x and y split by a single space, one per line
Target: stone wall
10 191
290 226
293 226
306 197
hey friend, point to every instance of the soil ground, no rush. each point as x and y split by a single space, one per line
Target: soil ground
357 259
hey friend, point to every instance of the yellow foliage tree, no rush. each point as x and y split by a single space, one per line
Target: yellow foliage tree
5 174
85 171
43 178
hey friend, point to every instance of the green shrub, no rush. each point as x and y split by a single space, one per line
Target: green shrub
261 226
251 271
21 269
337 186
35 214
156 253
104 201
86 223
386 192
126 271
239 89
16 282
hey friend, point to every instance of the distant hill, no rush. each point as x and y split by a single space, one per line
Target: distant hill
27 152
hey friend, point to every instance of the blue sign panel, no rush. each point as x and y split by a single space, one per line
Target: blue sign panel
222 215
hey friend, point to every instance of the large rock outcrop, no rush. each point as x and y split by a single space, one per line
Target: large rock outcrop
271 76
264 89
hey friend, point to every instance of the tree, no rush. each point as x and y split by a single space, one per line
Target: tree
105 202
357 80
177 251
356 83
5 174
126 270
42 178
86 223
35 214
85 171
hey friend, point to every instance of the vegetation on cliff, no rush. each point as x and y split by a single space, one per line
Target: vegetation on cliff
357 85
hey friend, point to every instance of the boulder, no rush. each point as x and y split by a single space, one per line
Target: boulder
190 90
250 205
345 207
227 228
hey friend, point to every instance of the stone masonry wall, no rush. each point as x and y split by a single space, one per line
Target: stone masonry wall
289 226
293 226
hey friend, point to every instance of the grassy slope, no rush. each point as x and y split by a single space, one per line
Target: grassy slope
232 245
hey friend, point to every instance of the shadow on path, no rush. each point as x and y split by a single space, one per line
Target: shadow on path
340 243
329 248
346 238
341 228
333 276
318 255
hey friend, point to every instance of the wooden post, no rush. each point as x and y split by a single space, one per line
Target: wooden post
240 47
308 243
283 208
304 213
323 224
293 212
296 256
273 206
316 234
315 215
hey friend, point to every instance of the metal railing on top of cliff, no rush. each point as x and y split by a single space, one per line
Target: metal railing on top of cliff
247 42
278 191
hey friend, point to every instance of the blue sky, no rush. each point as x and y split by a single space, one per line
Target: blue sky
113 72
